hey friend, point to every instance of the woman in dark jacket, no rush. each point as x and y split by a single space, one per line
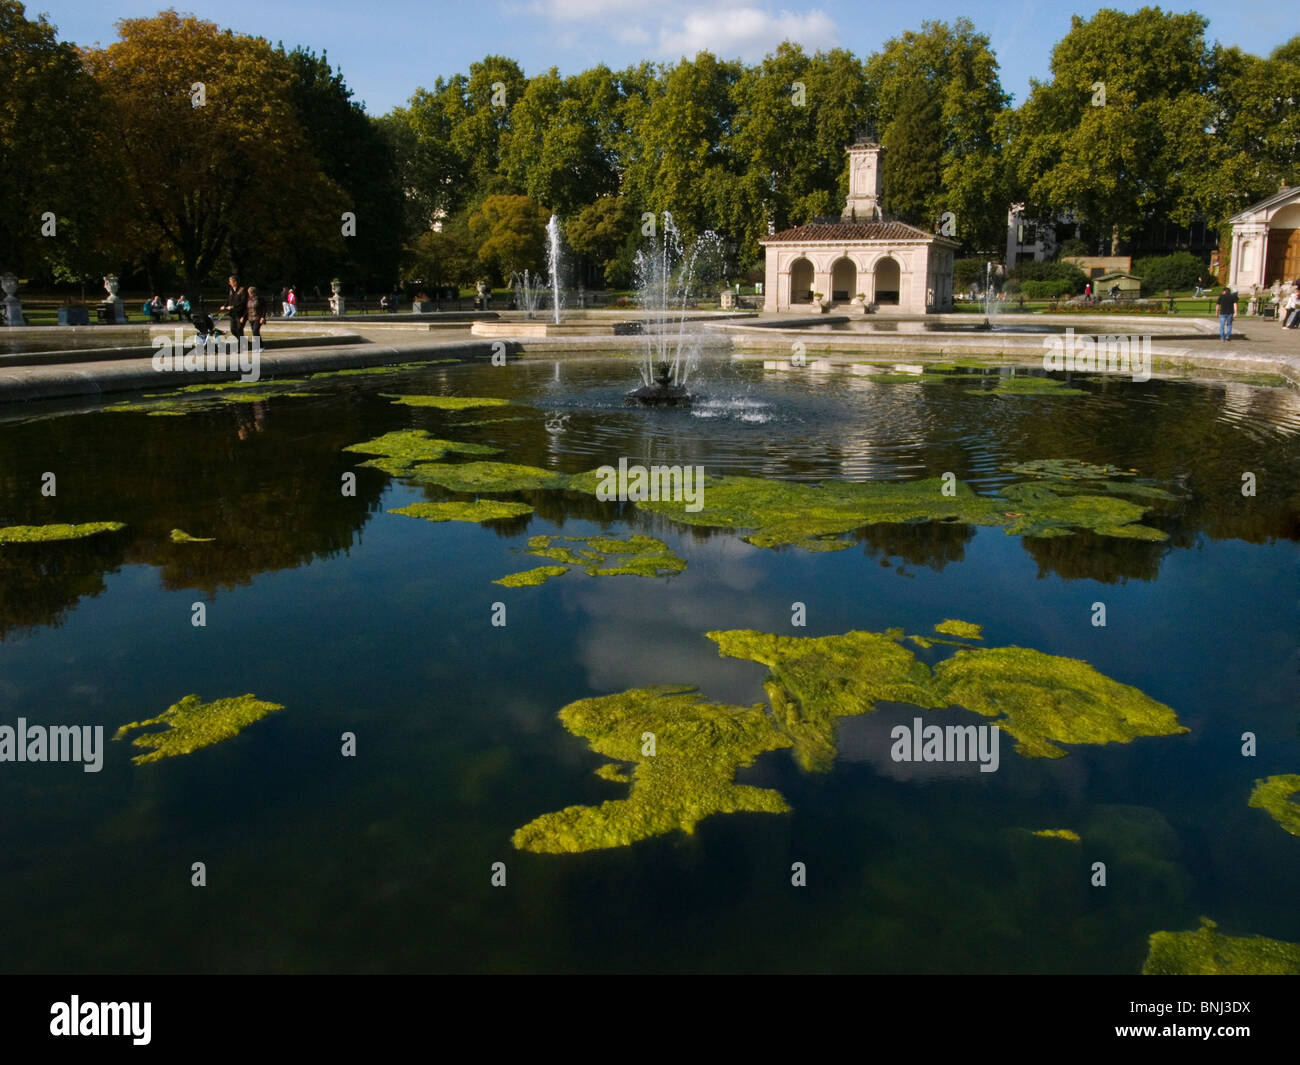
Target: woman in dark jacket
254 314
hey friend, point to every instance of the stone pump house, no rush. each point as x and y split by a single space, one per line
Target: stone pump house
896 268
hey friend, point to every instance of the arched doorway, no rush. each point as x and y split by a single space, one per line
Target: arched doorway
801 281
844 281
887 281
1282 259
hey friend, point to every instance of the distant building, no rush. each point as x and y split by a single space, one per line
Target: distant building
1028 240
1096 265
895 266
1266 242
1129 286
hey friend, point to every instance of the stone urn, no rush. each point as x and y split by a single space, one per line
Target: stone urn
483 295
818 305
13 305
858 305
116 310
337 303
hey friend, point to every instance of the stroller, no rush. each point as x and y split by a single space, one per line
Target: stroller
204 327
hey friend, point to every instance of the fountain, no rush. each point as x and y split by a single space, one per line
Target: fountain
528 293
666 274
553 262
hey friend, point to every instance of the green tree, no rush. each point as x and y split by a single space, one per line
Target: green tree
234 177
1125 160
958 70
1255 129
355 153
511 234
448 256
51 146
598 233
561 149
912 158
795 116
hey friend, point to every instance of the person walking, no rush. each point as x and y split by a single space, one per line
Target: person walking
254 315
1291 309
1227 304
291 303
236 300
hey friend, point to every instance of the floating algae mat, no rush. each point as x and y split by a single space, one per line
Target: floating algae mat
1052 502
1059 833
446 402
1040 699
1207 952
402 449
36 534
530 578
487 476
1277 796
686 775
478 511
599 556
180 536
191 724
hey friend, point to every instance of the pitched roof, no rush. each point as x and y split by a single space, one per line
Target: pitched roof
1277 197
840 232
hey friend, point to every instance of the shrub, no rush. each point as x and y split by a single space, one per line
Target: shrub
1173 272
1047 290
1031 271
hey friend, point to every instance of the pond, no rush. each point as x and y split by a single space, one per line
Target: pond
354 620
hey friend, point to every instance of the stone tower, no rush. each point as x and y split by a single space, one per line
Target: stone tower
863 204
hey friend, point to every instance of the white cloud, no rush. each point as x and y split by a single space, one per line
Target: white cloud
748 32
729 28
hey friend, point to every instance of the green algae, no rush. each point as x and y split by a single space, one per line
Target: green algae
1041 700
39 534
487 476
180 536
1027 386
1044 700
967 629
191 724
609 556
398 451
1059 833
446 402
1207 952
814 680
530 578
1274 796
814 517
478 511
698 747
788 513
379 371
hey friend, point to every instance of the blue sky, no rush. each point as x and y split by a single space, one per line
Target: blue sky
389 48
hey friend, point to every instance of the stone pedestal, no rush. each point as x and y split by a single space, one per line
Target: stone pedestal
337 302
421 306
74 316
728 300
12 304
